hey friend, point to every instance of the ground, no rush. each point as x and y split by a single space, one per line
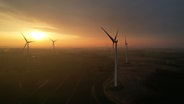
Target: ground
84 76
151 77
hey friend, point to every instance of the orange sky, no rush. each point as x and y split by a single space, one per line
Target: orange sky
79 25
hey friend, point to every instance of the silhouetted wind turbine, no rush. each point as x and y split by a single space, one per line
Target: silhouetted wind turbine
27 43
114 41
53 43
126 50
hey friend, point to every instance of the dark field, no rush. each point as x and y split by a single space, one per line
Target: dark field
151 77
77 76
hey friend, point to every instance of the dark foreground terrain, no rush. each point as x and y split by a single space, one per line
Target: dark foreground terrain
151 77
77 76
69 76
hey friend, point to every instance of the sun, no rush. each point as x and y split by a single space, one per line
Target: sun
37 35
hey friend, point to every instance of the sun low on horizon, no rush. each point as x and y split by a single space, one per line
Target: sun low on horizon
77 24
37 35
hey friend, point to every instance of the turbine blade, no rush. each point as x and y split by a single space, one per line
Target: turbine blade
116 35
125 37
107 33
25 45
51 39
24 37
126 40
30 41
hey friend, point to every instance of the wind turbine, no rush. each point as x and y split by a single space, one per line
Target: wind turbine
126 51
26 44
53 43
114 41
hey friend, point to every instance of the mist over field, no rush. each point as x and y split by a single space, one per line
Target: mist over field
91 51
79 76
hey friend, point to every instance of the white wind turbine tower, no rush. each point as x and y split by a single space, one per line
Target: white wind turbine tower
26 44
114 41
126 50
53 43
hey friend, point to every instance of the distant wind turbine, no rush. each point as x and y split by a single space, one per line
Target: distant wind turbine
53 43
126 50
26 44
114 41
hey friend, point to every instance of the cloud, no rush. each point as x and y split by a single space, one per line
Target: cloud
140 18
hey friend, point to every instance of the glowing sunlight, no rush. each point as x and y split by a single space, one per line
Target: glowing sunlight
37 35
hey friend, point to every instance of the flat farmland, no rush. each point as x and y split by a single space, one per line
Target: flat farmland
70 76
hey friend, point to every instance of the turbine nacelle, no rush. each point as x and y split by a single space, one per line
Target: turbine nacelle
114 40
126 43
53 41
26 44
27 41
30 41
126 50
